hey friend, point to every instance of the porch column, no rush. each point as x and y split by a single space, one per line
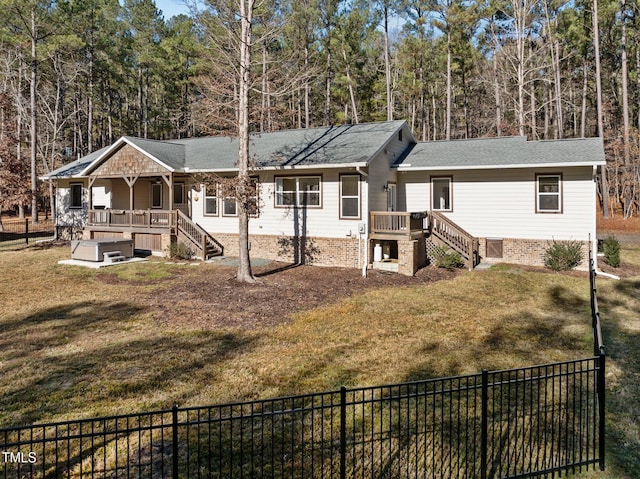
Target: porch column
168 179
92 180
130 180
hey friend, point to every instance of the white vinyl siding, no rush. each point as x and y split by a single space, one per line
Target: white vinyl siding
290 220
502 203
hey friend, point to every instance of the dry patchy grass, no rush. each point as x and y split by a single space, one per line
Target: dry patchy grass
78 343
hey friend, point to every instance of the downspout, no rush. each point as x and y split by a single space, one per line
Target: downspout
594 243
366 234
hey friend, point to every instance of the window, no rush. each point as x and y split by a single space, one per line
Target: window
156 195
298 191
549 194
441 194
229 207
211 200
350 196
178 193
76 195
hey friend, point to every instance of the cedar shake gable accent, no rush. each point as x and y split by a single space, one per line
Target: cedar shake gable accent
128 161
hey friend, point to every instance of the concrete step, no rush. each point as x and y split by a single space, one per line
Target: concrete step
113 257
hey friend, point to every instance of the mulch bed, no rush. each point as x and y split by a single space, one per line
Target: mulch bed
217 300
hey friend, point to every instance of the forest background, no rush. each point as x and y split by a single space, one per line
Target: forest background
77 74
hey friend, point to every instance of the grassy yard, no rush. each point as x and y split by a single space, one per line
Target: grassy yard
78 343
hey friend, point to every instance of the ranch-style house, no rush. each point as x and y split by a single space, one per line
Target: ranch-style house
361 196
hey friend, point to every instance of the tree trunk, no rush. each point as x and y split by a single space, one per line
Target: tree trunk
387 65
244 273
351 92
448 112
496 95
625 81
585 90
596 47
34 120
307 92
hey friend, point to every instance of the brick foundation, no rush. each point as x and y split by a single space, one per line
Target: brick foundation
527 251
341 252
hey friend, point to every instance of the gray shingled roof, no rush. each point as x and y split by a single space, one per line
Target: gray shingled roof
322 147
171 155
329 146
354 145
503 152
76 167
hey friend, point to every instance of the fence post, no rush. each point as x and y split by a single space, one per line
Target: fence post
343 432
601 413
174 441
484 433
26 230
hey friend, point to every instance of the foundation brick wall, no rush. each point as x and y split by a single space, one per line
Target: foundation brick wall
341 252
412 256
527 251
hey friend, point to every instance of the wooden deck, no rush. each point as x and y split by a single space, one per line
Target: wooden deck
148 225
159 221
397 225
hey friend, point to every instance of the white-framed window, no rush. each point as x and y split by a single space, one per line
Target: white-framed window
549 193
441 198
301 191
229 207
210 200
350 196
76 195
156 195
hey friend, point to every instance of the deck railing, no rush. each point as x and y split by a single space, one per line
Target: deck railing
133 218
397 222
455 237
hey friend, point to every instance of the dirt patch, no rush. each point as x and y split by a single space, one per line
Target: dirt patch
213 298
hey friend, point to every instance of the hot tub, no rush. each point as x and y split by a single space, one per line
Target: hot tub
94 249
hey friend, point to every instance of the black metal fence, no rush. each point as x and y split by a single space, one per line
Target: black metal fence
524 422
17 232
503 424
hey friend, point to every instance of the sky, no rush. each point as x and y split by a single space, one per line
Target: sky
172 8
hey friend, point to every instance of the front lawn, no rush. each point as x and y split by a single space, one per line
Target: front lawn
77 343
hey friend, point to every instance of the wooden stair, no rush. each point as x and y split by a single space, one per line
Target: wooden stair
450 234
194 235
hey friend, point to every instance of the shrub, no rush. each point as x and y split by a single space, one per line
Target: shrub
611 250
447 258
179 251
563 255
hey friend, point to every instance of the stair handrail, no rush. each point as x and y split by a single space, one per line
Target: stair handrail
196 234
459 239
